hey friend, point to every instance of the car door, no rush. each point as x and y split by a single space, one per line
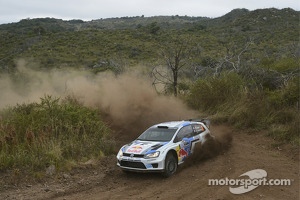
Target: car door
185 141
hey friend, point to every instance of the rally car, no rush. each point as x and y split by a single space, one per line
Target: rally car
164 146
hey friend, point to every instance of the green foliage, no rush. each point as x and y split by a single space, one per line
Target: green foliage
57 43
230 99
282 65
153 28
251 111
288 96
286 65
288 132
53 131
212 92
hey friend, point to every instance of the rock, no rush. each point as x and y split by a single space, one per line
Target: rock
60 191
50 170
66 176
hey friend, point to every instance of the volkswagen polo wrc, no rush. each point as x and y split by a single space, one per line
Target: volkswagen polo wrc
164 146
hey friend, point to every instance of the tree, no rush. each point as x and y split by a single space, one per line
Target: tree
233 60
153 28
176 54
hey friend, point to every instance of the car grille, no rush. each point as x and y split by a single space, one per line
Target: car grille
132 164
134 155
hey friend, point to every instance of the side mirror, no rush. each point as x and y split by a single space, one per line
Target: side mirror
206 122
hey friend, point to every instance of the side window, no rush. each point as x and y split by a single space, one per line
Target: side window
184 132
197 129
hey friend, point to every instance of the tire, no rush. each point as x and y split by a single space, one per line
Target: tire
170 165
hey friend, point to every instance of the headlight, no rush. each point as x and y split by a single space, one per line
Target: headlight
120 154
152 155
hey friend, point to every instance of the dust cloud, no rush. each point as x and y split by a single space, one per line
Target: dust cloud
128 101
214 146
133 105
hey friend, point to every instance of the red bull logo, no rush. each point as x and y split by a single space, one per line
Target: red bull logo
135 149
182 153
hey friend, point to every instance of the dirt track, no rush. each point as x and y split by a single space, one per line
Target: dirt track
103 180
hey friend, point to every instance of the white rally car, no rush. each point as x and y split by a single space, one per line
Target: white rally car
164 146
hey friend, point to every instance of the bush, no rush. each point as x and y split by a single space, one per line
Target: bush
212 92
288 132
251 111
230 100
53 131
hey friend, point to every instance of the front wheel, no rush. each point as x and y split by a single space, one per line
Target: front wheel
170 165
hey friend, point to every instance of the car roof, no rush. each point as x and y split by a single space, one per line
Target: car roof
173 124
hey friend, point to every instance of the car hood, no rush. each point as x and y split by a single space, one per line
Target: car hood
143 147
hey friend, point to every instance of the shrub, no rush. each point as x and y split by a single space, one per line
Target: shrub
53 131
212 92
250 110
230 100
288 132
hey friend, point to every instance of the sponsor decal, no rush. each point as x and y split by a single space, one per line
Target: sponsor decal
182 153
135 149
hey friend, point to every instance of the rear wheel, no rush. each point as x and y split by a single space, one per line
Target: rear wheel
170 165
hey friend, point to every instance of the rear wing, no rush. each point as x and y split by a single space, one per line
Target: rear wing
204 121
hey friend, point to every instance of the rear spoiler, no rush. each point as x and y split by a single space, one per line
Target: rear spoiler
204 121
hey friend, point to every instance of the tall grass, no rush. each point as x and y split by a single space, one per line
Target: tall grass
229 99
213 93
51 132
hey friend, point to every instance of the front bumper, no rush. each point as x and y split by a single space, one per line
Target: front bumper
141 164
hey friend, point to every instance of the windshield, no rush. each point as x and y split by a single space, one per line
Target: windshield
157 134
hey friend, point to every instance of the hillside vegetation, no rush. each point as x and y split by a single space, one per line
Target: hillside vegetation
241 68
59 132
131 40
